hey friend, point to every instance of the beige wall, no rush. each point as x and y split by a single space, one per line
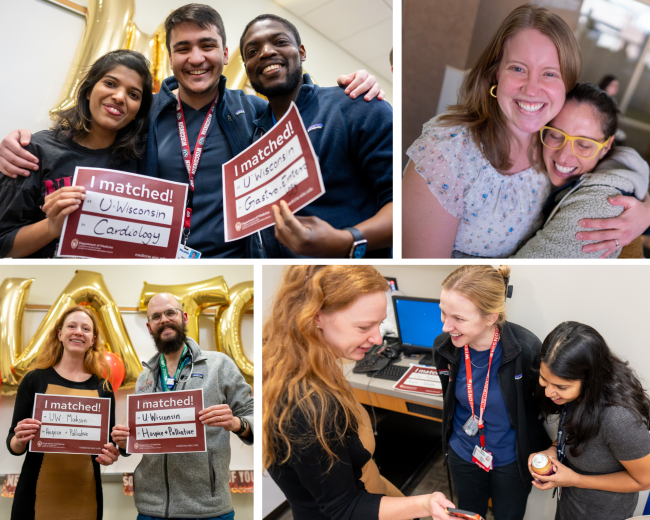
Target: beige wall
435 33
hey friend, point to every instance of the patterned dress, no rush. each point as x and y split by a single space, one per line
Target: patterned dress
497 212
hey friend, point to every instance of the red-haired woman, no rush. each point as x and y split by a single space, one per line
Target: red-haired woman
317 438
57 485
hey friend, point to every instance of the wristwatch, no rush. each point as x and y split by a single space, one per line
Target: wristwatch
244 425
359 243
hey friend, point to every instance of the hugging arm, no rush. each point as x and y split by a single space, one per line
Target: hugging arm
557 239
361 82
428 229
631 223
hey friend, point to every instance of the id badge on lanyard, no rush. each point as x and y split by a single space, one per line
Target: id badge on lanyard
481 457
191 160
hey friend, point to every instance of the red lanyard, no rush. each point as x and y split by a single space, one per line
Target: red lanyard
470 391
191 161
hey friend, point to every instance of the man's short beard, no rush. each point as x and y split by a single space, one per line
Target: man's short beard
287 87
169 346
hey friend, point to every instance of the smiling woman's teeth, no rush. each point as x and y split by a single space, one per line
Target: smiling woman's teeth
562 169
530 107
114 111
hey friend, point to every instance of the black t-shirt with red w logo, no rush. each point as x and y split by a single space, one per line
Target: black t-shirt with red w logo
21 199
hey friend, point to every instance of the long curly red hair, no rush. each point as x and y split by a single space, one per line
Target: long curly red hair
301 373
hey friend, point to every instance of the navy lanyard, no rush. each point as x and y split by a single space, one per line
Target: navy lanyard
561 446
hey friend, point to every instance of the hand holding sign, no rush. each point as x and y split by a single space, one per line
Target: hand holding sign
109 455
61 203
24 432
219 415
120 435
310 236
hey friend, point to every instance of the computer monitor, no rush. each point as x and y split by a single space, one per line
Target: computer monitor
418 325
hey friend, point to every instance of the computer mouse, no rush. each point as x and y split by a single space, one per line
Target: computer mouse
391 353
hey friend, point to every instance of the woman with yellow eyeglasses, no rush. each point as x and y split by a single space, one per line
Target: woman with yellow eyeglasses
585 169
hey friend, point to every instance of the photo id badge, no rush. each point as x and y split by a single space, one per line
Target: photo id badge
471 426
187 252
482 458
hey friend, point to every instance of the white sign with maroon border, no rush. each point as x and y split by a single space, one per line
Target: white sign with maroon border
420 379
71 424
281 165
165 422
124 215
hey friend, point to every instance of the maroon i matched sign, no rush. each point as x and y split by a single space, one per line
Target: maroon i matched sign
166 422
71 424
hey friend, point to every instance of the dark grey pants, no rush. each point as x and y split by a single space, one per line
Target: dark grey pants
474 487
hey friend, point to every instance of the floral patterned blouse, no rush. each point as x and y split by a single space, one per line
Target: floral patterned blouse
497 212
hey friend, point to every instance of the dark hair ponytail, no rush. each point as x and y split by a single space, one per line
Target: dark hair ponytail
76 120
577 352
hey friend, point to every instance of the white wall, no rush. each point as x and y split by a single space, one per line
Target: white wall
40 40
125 283
612 299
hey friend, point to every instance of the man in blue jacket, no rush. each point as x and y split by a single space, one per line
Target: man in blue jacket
354 144
196 42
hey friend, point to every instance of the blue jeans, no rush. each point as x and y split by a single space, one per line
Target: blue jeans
227 516
474 487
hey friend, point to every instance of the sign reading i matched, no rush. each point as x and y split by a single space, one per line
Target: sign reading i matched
124 215
281 165
71 424
165 422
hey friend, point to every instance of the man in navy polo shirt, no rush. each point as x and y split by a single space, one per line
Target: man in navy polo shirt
196 42
354 144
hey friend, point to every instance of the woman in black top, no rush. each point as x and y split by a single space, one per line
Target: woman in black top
102 130
317 438
602 451
55 485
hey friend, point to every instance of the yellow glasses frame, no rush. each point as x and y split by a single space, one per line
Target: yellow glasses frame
572 138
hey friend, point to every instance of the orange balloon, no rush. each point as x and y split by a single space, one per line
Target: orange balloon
117 369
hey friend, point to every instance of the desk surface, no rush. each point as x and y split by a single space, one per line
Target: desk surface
385 387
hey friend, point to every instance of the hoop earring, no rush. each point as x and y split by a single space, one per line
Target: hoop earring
492 91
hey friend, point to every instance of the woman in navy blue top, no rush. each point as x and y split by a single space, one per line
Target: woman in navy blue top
486 366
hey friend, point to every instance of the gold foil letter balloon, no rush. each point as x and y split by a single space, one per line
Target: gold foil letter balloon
89 289
13 297
227 327
109 27
194 297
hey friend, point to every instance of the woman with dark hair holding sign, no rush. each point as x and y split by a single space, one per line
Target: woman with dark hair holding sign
103 129
55 485
601 458
490 420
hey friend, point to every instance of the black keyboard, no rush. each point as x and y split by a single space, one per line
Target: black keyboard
391 372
